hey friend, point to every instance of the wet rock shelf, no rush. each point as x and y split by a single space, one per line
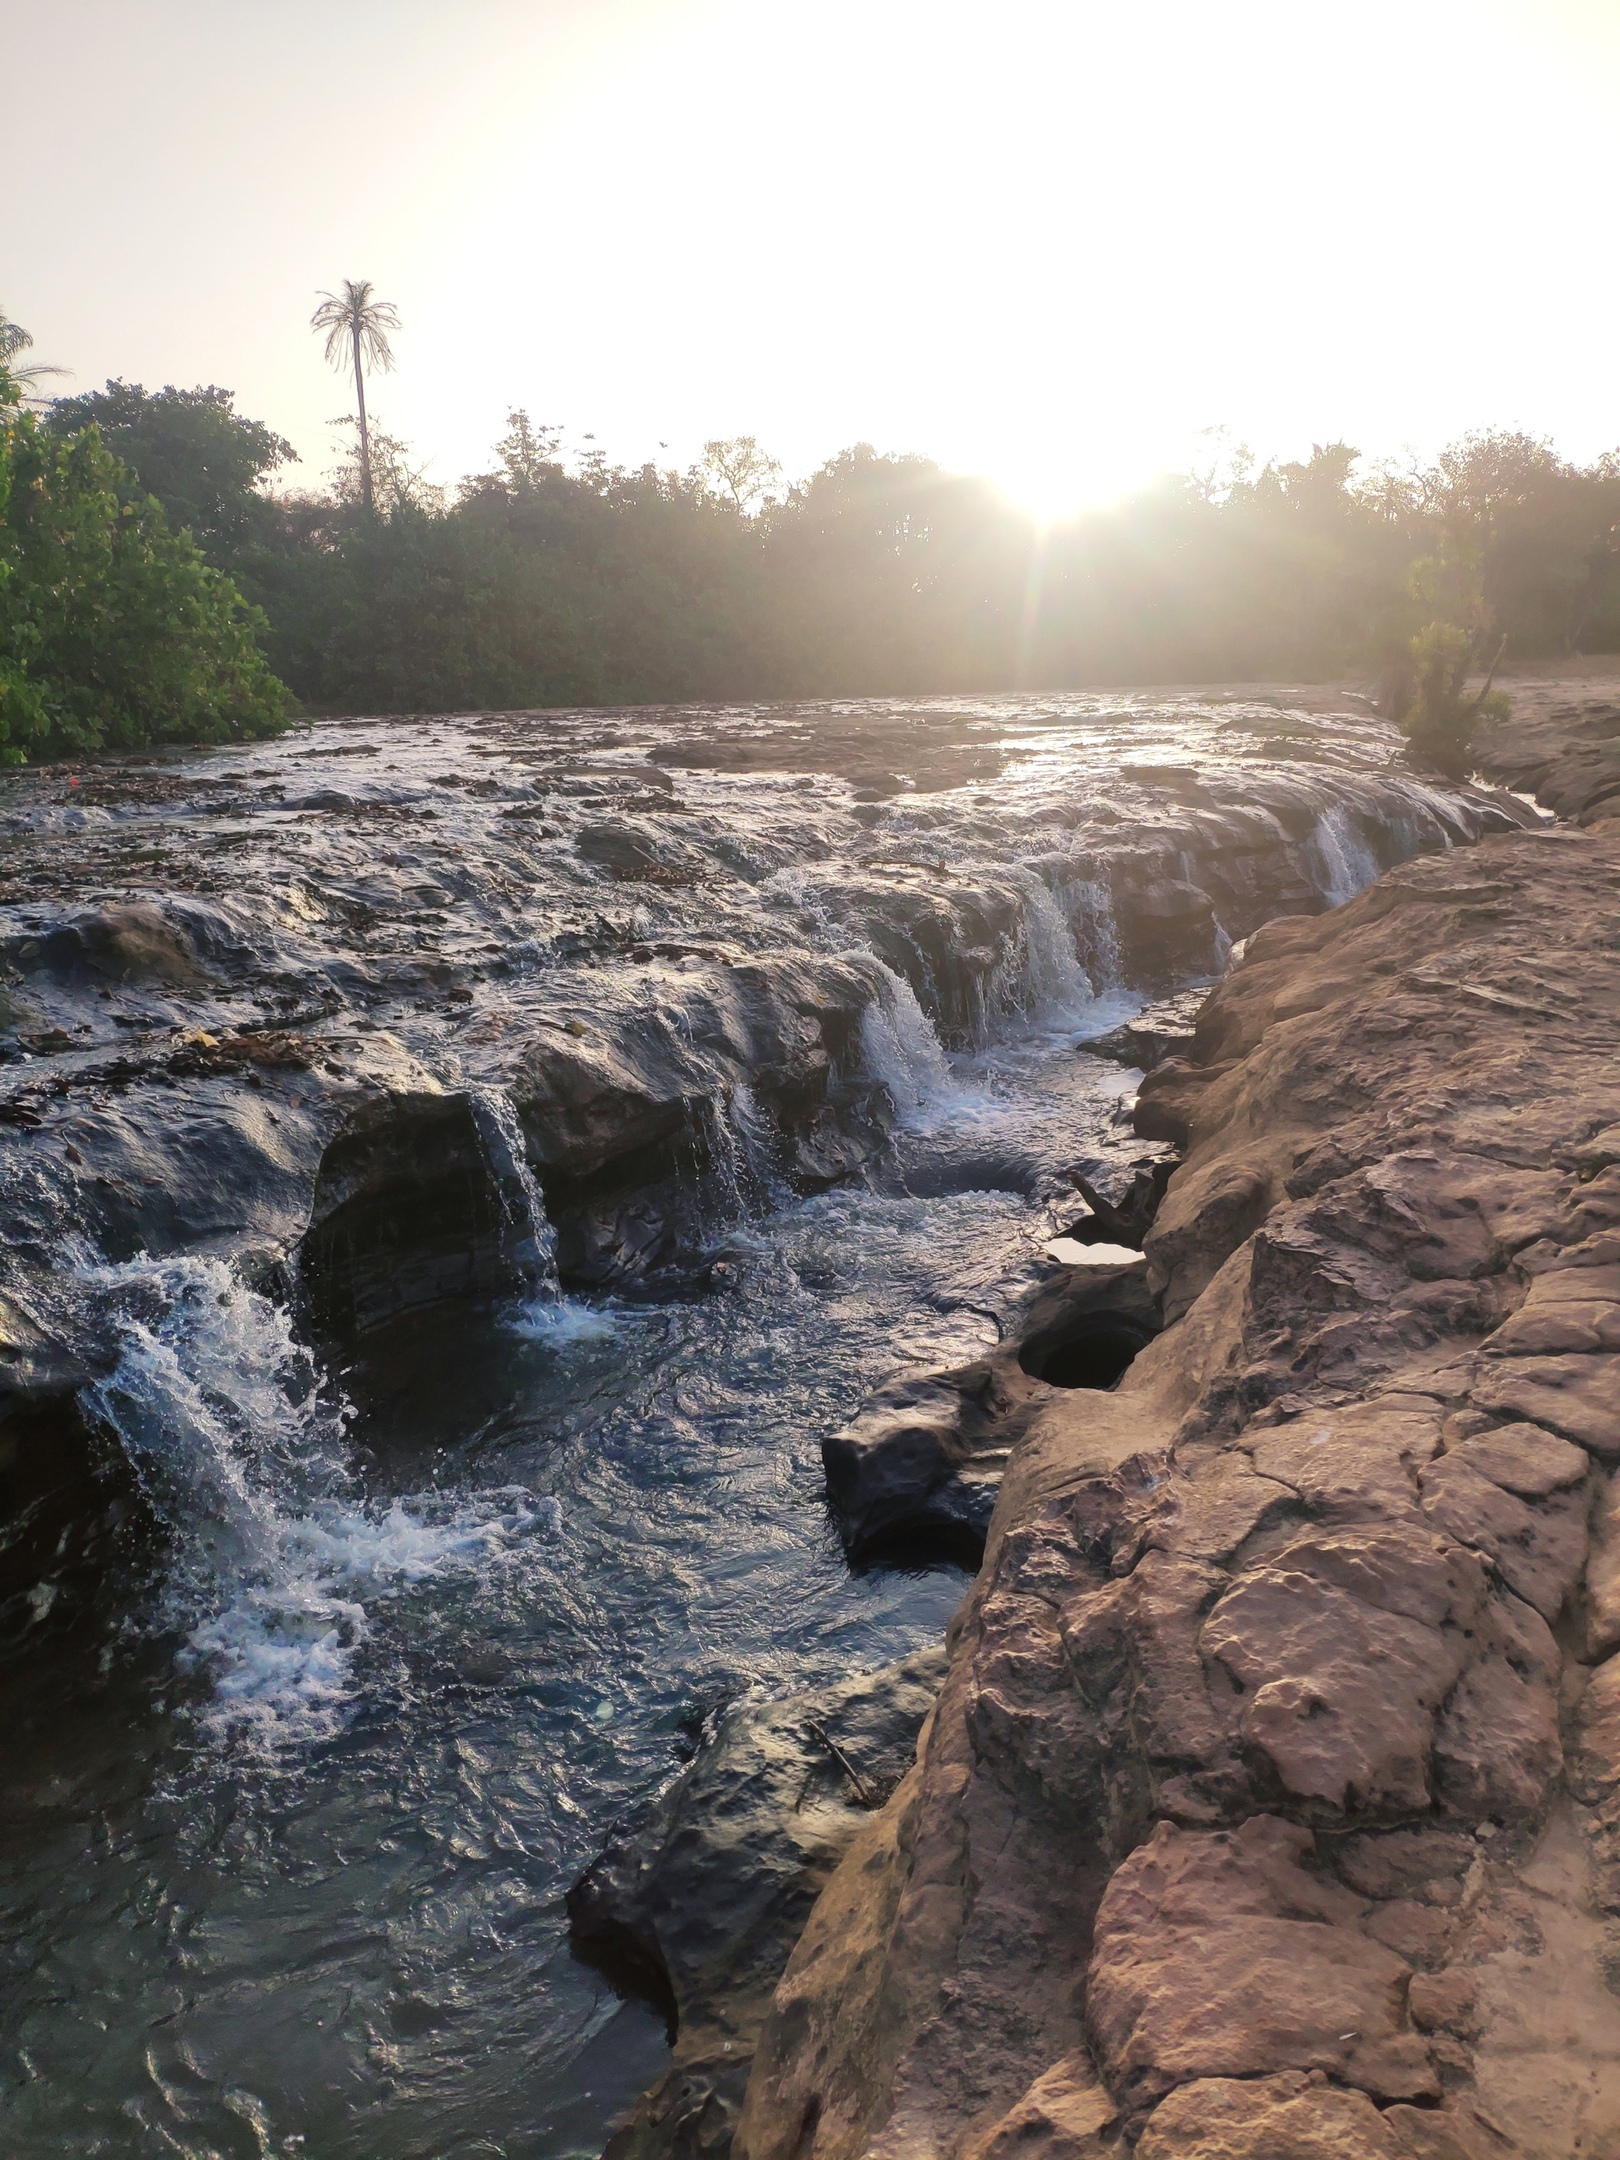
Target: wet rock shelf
1270 1804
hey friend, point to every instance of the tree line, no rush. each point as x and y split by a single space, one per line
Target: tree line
568 580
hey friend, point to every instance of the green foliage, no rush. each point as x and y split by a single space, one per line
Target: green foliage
201 458
23 376
357 324
1433 702
376 468
1439 716
555 582
737 467
114 632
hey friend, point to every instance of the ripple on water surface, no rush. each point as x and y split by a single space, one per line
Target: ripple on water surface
284 1857
307 1887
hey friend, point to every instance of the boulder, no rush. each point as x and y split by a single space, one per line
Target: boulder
918 1468
1067 2114
698 1903
1220 1955
407 1212
1164 1030
1299 2115
1250 1741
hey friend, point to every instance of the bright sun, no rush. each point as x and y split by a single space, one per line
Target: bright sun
1052 484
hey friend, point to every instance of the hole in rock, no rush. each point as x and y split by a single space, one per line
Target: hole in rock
1093 1351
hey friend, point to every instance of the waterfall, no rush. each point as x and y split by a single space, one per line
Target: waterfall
534 1242
1340 862
1052 970
1098 940
274 1558
902 1050
735 1140
542 1314
751 1147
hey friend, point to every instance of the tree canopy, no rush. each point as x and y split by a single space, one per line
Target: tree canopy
557 580
555 577
201 458
114 630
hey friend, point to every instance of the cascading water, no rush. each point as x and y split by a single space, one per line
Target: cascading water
902 1049
558 1533
1052 974
534 1242
1096 933
274 1552
540 1313
1343 863
746 1148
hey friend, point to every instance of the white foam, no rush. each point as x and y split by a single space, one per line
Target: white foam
275 1561
902 1050
1054 976
560 1321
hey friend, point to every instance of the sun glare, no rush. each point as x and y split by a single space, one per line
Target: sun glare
1062 482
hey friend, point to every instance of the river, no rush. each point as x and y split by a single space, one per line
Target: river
407 1622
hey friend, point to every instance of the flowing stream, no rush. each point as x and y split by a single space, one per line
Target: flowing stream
286 1833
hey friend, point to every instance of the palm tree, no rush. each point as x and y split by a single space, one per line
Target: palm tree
14 339
355 319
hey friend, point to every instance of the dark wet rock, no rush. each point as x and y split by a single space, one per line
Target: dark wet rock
918 1469
1127 1217
48 1351
406 1213
65 1496
623 1128
1561 744
134 942
588 1101
1163 1031
1168 926
70 1508
636 851
204 1148
697 1904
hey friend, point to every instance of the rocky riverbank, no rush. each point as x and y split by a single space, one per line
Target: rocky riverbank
352 1016
1271 1804
452 1194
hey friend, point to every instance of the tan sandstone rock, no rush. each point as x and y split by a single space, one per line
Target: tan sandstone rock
1219 1955
1251 1742
1066 2115
1291 2117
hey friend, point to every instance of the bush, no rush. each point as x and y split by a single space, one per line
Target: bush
114 632
1439 716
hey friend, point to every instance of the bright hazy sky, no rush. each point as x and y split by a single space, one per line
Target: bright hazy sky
1045 239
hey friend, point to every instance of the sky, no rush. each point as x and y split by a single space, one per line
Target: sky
1047 240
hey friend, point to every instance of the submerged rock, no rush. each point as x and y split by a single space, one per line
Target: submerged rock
698 1903
1163 1031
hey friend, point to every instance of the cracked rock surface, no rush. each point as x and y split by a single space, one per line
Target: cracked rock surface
1271 1806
